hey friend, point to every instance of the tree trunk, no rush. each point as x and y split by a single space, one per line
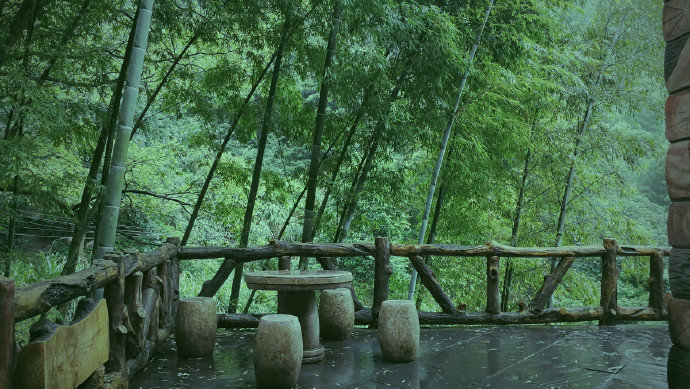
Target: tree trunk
347 215
299 198
256 175
560 228
432 231
505 292
339 163
309 214
444 142
221 150
164 80
351 206
22 21
12 224
113 194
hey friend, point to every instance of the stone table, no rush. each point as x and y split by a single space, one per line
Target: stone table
299 299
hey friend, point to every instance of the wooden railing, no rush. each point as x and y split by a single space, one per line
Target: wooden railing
608 312
142 290
142 295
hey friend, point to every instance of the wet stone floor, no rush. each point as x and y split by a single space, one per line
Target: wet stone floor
545 356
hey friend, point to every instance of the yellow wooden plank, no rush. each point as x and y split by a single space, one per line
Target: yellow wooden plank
69 356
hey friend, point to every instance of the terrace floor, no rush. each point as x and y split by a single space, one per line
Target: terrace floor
551 356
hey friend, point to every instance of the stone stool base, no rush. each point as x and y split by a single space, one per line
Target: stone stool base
196 325
679 322
336 314
278 351
399 331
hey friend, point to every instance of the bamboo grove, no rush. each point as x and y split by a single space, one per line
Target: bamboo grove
232 123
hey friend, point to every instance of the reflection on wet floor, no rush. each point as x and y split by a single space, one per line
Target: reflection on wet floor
573 356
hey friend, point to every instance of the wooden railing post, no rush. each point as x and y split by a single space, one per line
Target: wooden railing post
284 263
656 281
493 295
114 293
174 275
7 347
609 282
382 273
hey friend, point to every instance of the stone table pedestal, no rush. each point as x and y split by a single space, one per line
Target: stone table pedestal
299 299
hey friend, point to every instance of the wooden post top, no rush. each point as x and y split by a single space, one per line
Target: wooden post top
298 280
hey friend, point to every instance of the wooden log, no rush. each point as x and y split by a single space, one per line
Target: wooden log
551 282
7 348
151 279
34 299
382 273
678 224
96 380
609 282
656 282
678 170
150 259
114 294
284 263
65 356
39 297
676 19
154 325
235 320
549 315
679 273
84 308
137 364
211 287
678 117
166 293
174 287
493 296
134 299
150 298
278 249
428 279
676 63
174 278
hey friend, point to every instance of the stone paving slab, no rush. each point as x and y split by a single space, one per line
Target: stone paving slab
539 356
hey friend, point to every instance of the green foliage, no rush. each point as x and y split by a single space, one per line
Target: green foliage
537 65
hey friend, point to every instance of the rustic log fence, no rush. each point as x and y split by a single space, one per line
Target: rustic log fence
534 312
142 295
142 290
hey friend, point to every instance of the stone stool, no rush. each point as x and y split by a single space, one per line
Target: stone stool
278 351
399 331
196 325
336 314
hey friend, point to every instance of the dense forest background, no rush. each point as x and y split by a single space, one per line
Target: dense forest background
323 120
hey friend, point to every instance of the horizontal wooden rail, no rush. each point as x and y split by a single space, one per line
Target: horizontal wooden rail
491 249
39 297
550 315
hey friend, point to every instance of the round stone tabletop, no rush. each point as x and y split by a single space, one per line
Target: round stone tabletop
298 280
